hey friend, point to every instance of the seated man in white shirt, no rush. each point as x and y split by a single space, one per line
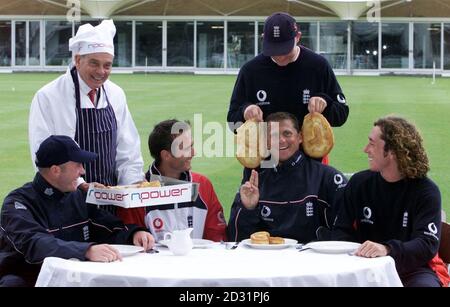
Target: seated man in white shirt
204 215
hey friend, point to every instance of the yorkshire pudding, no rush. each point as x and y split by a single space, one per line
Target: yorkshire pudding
318 138
251 144
260 237
144 184
263 237
276 240
150 184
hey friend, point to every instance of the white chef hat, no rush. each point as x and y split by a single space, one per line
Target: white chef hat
91 39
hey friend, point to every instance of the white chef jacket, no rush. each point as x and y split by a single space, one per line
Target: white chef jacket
53 111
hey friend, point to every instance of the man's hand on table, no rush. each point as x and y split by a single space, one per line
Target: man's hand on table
103 253
144 239
371 249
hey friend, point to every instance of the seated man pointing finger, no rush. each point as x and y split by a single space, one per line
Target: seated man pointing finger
294 198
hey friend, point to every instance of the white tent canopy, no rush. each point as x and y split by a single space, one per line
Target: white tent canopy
345 9
349 9
102 8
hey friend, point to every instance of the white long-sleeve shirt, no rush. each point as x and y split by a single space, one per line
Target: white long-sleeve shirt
53 111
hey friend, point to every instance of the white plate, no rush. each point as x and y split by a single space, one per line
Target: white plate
127 250
198 243
202 243
333 247
287 243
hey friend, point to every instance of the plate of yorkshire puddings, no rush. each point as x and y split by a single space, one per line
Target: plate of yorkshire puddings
263 240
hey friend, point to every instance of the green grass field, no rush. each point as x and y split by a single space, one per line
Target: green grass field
155 97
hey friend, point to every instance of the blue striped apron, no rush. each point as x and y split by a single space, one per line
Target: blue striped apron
97 132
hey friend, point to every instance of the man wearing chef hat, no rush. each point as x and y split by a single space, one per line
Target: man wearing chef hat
86 106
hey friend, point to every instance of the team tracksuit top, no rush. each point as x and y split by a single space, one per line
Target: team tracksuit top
38 221
404 215
296 200
274 88
205 214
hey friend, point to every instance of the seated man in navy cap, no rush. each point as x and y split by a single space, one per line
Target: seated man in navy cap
49 217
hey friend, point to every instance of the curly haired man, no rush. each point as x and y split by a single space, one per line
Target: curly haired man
394 208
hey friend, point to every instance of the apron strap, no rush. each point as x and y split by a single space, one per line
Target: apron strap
74 74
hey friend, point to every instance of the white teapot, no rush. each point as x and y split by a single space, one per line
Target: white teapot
179 241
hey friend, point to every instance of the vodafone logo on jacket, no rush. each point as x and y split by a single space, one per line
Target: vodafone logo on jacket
367 213
432 231
158 223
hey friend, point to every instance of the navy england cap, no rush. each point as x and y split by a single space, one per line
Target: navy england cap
280 30
59 149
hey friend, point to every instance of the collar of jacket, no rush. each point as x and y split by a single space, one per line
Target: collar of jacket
46 189
296 158
153 170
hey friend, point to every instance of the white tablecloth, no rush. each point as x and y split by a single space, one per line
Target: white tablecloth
241 267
